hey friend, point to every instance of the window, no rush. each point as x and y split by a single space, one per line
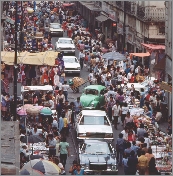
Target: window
162 30
94 120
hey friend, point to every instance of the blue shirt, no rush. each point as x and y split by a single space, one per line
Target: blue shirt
124 161
81 172
135 148
127 70
77 104
61 123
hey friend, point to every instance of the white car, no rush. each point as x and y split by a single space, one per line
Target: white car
65 45
93 124
71 64
56 30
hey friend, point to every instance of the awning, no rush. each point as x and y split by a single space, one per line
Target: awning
101 18
68 4
154 47
165 86
160 65
139 54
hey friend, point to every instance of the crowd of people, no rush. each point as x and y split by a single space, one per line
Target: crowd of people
133 146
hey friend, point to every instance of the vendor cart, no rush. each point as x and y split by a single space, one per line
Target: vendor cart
76 82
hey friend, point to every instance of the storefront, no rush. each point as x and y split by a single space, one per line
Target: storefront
138 42
130 42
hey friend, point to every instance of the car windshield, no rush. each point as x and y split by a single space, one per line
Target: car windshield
96 148
55 26
65 41
94 120
70 60
91 91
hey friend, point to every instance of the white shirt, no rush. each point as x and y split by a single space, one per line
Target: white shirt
125 135
147 140
65 87
129 75
81 55
116 110
132 67
56 80
52 142
120 77
124 110
91 77
51 102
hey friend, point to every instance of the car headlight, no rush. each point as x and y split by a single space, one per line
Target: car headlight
82 134
92 105
108 135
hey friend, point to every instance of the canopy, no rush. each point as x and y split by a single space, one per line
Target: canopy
154 47
34 88
40 58
139 54
114 56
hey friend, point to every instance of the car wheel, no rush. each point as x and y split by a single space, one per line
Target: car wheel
98 107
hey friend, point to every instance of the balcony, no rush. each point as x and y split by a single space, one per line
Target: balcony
151 14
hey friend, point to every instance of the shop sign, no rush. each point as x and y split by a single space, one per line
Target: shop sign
130 38
120 28
9 20
165 86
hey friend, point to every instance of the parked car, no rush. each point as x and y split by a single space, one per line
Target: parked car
71 64
93 97
65 45
98 157
93 124
56 30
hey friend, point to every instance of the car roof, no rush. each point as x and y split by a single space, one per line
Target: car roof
55 23
94 112
64 38
94 141
69 56
98 87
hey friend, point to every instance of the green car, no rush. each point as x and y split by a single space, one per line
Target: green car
93 97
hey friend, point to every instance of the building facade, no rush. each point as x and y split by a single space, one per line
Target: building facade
168 50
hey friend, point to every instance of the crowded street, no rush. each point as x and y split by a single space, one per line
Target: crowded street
87 102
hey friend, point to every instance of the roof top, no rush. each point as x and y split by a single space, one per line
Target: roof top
65 38
94 112
95 87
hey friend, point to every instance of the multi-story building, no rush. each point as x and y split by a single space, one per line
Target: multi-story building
136 21
168 50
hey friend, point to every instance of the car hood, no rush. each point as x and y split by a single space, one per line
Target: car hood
95 129
54 29
100 158
61 45
71 65
87 99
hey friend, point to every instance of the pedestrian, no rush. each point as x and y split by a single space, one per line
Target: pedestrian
116 110
78 106
142 163
128 119
132 163
61 124
64 151
141 131
110 104
73 167
120 148
142 96
81 58
152 167
124 162
60 165
124 110
91 77
72 107
79 170
65 88
51 144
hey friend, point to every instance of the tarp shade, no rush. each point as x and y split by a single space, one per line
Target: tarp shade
68 4
154 47
139 54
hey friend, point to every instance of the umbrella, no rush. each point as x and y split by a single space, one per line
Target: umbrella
44 166
30 172
22 112
46 111
32 139
32 157
114 56
26 106
34 111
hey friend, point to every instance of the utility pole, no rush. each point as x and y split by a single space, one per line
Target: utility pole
15 64
124 26
21 28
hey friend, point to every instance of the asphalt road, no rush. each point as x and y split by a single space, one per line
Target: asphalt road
72 97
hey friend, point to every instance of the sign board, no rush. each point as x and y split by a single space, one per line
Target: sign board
165 86
111 13
120 28
11 89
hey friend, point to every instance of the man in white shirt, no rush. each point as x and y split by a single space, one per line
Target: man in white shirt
129 75
51 145
125 133
116 112
60 96
91 77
